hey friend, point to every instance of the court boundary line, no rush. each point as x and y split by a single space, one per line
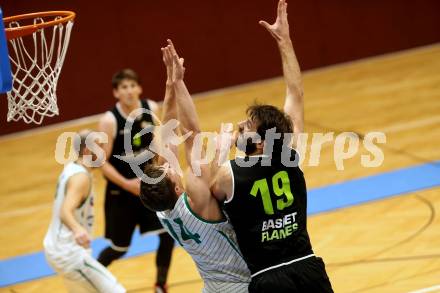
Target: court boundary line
427 289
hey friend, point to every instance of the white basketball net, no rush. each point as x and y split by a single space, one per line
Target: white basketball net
35 68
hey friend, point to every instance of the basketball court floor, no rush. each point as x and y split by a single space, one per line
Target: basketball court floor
377 229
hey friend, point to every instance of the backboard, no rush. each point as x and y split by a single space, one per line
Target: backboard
5 66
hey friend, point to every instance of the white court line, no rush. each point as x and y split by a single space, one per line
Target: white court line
429 289
48 128
25 211
411 124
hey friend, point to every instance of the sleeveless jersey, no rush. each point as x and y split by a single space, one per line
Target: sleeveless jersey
58 233
211 244
138 143
268 210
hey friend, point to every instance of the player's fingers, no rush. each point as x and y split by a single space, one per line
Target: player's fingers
280 7
176 59
264 24
80 240
285 10
164 52
168 54
173 50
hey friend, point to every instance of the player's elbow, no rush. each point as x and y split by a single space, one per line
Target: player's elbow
297 93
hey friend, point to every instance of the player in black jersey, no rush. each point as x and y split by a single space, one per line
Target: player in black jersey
123 208
267 202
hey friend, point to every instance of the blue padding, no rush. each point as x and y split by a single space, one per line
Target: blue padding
23 268
33 266
5 66
375 187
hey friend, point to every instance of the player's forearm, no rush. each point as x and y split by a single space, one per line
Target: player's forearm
169 108
111 174
68 219
291 70
294 102
186 112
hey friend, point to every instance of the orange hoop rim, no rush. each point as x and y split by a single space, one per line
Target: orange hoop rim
16 32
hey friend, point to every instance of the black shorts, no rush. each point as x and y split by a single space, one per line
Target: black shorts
123 212
307 275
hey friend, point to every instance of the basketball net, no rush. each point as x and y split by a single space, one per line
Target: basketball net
36 65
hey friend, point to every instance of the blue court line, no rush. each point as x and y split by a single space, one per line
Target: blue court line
33 266
348 193
374 187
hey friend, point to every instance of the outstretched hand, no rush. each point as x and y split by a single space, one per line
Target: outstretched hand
178 69
167 58
280 28
173 63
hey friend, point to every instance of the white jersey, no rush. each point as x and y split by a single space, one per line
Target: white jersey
58 234
211 244
80 271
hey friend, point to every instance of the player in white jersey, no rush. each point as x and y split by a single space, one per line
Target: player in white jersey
67 241
191 215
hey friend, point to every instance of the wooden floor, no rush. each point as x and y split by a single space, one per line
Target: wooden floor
392 245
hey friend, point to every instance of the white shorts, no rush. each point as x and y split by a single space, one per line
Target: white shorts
82 273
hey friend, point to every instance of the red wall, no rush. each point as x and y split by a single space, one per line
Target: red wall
221 41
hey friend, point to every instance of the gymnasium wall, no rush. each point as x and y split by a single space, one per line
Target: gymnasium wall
221 41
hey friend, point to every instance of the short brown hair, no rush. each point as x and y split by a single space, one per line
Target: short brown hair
160 196
126 73
267 117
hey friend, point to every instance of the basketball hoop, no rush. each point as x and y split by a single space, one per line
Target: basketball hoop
36 62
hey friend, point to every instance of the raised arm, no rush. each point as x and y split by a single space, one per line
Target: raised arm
186 110
294 102
169 108
199 194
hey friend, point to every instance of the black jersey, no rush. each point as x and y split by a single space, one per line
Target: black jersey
138 143
268 210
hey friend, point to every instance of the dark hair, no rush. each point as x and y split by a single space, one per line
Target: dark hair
160 196
126 73
267 117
